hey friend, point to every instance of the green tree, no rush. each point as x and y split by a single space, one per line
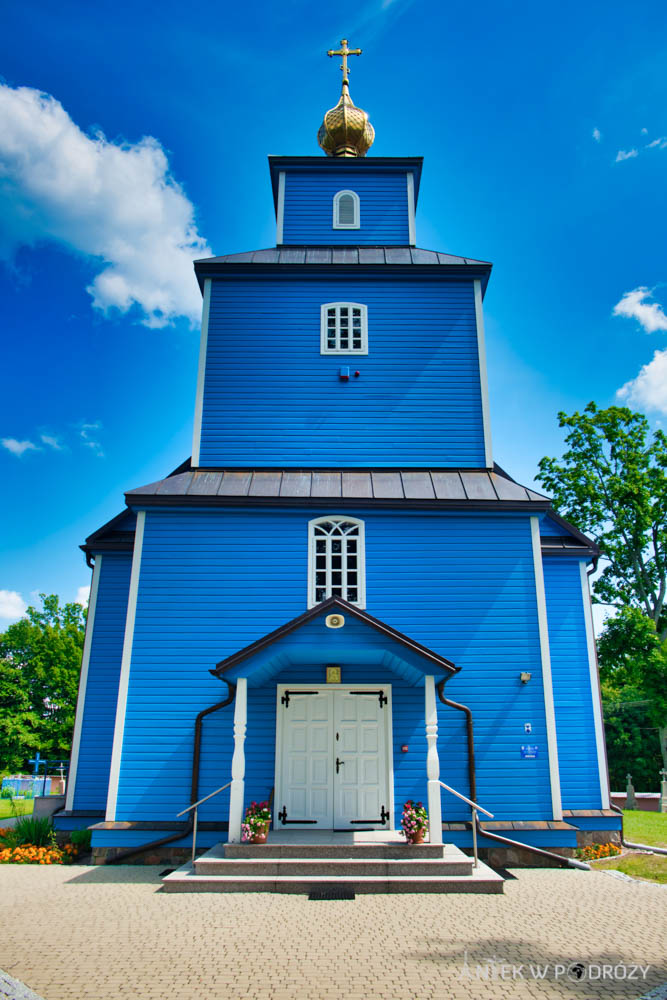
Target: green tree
612 485
18 723
633 670
43 650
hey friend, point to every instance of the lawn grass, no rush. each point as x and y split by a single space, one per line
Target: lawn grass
646 866
22 807
645 827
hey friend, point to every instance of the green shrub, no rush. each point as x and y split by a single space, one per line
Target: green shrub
81 840
37 830
7 793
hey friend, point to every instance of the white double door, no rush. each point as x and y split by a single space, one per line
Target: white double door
332 758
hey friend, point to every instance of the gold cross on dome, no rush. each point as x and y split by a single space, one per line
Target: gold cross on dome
344 52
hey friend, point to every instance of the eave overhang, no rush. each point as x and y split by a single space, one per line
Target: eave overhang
343 261
416 655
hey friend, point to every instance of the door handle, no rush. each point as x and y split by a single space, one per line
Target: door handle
339 764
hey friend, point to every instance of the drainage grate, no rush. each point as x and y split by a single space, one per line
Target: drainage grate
318 894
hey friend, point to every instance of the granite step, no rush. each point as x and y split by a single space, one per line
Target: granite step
482 880
397 851
341 867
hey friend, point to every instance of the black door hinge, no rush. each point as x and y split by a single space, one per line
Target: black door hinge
286 697
381 696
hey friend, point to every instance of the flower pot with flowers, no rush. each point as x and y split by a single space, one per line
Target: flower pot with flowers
255 826
414 822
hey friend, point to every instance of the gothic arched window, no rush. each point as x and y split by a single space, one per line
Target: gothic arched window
336 560
346 210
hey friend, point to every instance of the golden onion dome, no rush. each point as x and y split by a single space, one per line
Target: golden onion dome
346 130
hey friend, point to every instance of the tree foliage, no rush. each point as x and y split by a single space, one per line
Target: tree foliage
40 661
611 483
633 671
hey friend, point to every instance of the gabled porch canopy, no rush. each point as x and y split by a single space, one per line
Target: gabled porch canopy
362 639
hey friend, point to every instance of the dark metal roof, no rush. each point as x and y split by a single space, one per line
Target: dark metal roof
345 255
355 612
464 488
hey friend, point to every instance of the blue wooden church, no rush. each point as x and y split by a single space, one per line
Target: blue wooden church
340 602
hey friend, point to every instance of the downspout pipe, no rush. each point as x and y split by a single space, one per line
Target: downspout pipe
637 847
472 782
186 829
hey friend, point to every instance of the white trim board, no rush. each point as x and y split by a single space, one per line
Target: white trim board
412 235
280 208
595 687
547 682
389 734
124 680
83 684
483 375
201 371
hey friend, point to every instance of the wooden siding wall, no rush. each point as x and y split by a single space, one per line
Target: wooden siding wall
550 529
577 752
271 398
308 212
92 777
213 581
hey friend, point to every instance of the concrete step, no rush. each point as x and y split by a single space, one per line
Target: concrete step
333 867
482 879
398 851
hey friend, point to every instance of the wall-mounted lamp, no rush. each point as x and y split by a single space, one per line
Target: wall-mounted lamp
524 677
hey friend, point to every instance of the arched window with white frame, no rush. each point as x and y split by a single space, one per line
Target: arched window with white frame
346 214
343 328
336 560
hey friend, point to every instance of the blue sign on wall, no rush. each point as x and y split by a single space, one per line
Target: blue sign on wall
529 751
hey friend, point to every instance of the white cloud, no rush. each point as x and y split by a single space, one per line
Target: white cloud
82 596
12 605
660 143
89 436
644 131
649 390
115 202
626 155
17 448
649 314
597 134
51 441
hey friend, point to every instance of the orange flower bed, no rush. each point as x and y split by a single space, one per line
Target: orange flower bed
597 851
28 854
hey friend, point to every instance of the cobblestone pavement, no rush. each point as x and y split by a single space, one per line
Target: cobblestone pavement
109 933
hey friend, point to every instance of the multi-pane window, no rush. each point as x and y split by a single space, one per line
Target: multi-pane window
346 210
336 564
344 328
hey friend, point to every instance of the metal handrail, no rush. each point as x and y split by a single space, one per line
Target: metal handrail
195 806
475 809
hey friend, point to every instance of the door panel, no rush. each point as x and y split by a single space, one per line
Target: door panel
307 758
319 729
360 786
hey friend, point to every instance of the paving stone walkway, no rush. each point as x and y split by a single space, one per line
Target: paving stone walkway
74 933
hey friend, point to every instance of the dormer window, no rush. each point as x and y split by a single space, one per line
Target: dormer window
343 328
346 210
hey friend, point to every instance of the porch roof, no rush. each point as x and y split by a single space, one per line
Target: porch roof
363 640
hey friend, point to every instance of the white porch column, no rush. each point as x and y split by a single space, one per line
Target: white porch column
238 762
433 763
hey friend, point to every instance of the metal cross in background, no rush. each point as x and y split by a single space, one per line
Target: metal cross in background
344 52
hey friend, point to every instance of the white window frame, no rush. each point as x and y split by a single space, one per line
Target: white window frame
361 558
324 339
356 224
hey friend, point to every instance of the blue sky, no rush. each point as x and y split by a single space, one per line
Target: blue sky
544 132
